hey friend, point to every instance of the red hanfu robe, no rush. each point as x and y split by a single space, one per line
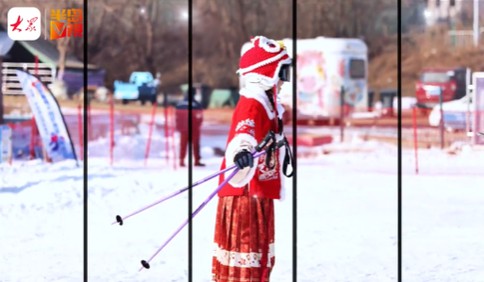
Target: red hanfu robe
244 229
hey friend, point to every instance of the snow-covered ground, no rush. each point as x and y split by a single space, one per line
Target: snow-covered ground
347 217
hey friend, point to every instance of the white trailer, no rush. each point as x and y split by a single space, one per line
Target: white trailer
324 66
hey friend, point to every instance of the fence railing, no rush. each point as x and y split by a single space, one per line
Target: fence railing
10 82
463 38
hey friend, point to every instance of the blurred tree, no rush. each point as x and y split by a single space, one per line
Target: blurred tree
130 35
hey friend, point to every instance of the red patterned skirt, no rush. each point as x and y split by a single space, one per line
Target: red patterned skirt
244 239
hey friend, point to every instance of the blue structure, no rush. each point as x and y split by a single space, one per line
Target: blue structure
141 86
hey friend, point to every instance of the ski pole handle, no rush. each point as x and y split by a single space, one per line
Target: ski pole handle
269 137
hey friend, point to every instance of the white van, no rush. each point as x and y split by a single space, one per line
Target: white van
324 65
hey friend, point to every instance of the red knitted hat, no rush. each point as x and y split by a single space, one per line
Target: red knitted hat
263 59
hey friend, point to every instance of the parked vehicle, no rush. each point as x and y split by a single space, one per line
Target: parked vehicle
456 114
141 87
448 82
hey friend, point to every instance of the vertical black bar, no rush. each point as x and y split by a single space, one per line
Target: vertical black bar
85 139
294 140
399 136
190 142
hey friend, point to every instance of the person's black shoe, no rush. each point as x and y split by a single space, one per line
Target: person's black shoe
199 164
182 164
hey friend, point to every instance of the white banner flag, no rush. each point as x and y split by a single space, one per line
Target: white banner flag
48 117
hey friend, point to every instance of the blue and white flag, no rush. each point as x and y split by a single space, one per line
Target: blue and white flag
48 117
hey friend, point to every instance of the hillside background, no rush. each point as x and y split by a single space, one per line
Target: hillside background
129 35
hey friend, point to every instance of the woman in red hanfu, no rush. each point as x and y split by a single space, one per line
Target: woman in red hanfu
244 228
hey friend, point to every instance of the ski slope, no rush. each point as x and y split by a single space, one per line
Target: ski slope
346 217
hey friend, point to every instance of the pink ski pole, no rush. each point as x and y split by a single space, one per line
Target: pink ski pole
120 220
146 263
256 154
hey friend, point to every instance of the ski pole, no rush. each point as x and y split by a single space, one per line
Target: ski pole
120 220
146 263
